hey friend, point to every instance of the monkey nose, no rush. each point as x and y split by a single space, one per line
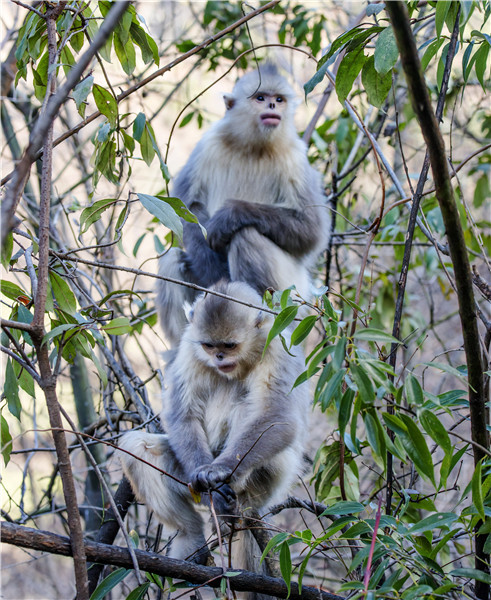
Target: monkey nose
271 105
219 356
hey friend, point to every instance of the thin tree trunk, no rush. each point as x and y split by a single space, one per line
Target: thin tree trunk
455 237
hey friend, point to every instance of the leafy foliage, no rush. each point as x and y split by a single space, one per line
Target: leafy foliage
403 498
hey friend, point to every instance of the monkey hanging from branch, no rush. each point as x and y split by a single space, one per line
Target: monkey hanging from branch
236 425
249 182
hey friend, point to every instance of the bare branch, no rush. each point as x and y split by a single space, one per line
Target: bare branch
27 537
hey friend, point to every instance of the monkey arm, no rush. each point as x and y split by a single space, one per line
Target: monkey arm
252 444
187 439
295 231
204 265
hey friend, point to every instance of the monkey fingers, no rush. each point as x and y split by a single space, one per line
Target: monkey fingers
225 502
209 477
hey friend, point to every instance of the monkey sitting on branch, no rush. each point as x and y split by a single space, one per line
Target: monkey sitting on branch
250 184
236 426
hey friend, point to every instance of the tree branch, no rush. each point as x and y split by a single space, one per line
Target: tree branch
26 537
416 200
458 252
38 134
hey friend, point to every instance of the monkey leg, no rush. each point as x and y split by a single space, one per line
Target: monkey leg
170 501
257 260
171 297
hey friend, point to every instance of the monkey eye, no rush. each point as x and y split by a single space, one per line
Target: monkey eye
260 98
230 345
280 99
207 345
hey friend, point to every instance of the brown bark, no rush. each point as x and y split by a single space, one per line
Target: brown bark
48 380
25 537
458 252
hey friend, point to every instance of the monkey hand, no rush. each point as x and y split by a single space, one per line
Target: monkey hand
225 502
211 478
208 477
222 226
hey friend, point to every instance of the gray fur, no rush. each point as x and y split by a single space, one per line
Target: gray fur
240 430
252 187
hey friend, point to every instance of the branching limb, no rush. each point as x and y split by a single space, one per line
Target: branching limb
26 537
467 308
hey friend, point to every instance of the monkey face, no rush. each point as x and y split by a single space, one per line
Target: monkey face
222 356
270 108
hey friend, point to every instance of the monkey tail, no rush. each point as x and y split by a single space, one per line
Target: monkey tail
171 297
246 554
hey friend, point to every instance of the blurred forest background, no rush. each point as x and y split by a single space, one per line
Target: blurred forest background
399 444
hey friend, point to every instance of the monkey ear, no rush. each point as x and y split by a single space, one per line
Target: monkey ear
259 319
188 311
229 100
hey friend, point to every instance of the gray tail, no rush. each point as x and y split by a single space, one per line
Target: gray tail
172 296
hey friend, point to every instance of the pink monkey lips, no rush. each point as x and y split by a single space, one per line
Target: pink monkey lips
270 119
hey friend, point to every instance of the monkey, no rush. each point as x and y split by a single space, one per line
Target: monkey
235 424
249 182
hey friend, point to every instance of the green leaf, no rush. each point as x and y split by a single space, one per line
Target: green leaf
386 52
472 574
415 445
430 52
355 37
435 521
477 495
76 41
413 390
148 47
106 104
440 14
118 326
125 51
481 63
286 565
344 411
146 146
24 379
281 322
11 390
62 293
332 389
363 383
93 213
67 59
276 540
348 71
344 508
375 436
109 583
186 119
139 126
81 92
377 86
164 212
12 290
6 440
303 329
436 430
316 79
59 330
139 592
6 253
375 335
395 424
447 369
